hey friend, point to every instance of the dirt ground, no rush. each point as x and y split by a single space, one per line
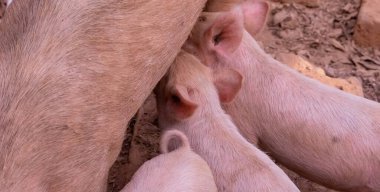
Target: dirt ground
321 35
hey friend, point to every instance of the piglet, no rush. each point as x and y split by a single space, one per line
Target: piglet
322 133
188 101
178 169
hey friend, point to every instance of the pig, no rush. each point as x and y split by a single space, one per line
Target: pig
188 101
72 74
320 132
178 169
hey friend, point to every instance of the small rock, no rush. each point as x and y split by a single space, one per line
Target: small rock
335 33
290 22
351 85
280 17
292 34
367 30
308 3
348 8
337 45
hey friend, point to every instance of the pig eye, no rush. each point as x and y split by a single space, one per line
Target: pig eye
217 39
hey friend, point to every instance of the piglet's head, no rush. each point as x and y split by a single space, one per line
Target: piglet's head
218 35
190 89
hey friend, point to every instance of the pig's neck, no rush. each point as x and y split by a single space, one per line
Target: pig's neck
277 98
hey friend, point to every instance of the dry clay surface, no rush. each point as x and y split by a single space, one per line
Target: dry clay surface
316 40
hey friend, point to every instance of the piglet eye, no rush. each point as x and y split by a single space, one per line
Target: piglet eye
217 39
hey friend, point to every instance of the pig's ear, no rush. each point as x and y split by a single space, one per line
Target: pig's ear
180 103
225 34
255 15
228 82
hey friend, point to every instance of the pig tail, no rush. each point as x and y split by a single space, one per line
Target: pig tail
172 140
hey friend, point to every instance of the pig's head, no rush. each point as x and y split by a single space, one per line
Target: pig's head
221 39
191 91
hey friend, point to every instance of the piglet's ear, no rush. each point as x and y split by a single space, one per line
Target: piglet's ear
224 35
228 82
180 104
255 15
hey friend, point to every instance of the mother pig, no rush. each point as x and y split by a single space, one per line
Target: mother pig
72 74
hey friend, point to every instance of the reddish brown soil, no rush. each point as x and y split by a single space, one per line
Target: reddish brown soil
322 35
